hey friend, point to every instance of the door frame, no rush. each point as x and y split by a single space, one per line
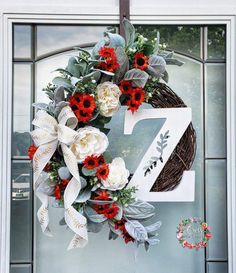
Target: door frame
6 22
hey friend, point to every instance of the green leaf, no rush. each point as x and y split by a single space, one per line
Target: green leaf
173 61
83 50
139 210
129 32
158 64
115 40
123 61
105 130
63 71
137 76
104 72
93 75
136 230
166 76
96 48
148 49
73 67
83 196
88 172
58 81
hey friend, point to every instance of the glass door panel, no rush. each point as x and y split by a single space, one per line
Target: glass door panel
200 82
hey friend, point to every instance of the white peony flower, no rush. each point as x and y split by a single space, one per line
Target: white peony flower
118 175
89 141
108 95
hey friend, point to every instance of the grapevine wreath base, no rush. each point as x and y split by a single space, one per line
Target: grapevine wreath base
69 152
182 157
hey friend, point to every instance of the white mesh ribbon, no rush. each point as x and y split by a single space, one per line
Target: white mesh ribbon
47 136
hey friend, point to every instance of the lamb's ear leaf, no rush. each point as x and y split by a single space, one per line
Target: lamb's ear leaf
129 32
115 40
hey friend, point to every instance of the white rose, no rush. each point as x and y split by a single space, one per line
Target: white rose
90 141
118 175
108 96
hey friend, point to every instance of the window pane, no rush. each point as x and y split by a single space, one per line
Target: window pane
21 109
216 42
51 38
215 111
217 268
22 41
21 269
21 213
216 208
185 39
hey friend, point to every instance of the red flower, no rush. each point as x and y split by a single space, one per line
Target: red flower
91 162
127 237
138 95
64 183
31 151
57 192
136 99
121 226
140 61
111 211
110 61
87 103
208 235
132 106
101 160
103 172
125 87
102 195
83 116
83 106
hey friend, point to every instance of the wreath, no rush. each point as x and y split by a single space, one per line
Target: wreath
70 162
193 233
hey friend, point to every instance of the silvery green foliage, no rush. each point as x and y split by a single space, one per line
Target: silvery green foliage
136 230
112 228
157 66
115 40
59 81
99 202
40 106
94 227
139 210
47 185
153 228
94 75
64 173
97 47
88 172
108 73
112 235
129 32
123 61
93 216
83 196
62 222
137 76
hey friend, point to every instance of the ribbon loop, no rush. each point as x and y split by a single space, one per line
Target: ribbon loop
47 136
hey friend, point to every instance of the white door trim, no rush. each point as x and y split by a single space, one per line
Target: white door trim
6 22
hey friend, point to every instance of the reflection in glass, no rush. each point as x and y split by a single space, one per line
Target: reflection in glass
215 111
217 268
21 213
21 109
185 39
51 38
20 268
22 41
216 208
216 42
